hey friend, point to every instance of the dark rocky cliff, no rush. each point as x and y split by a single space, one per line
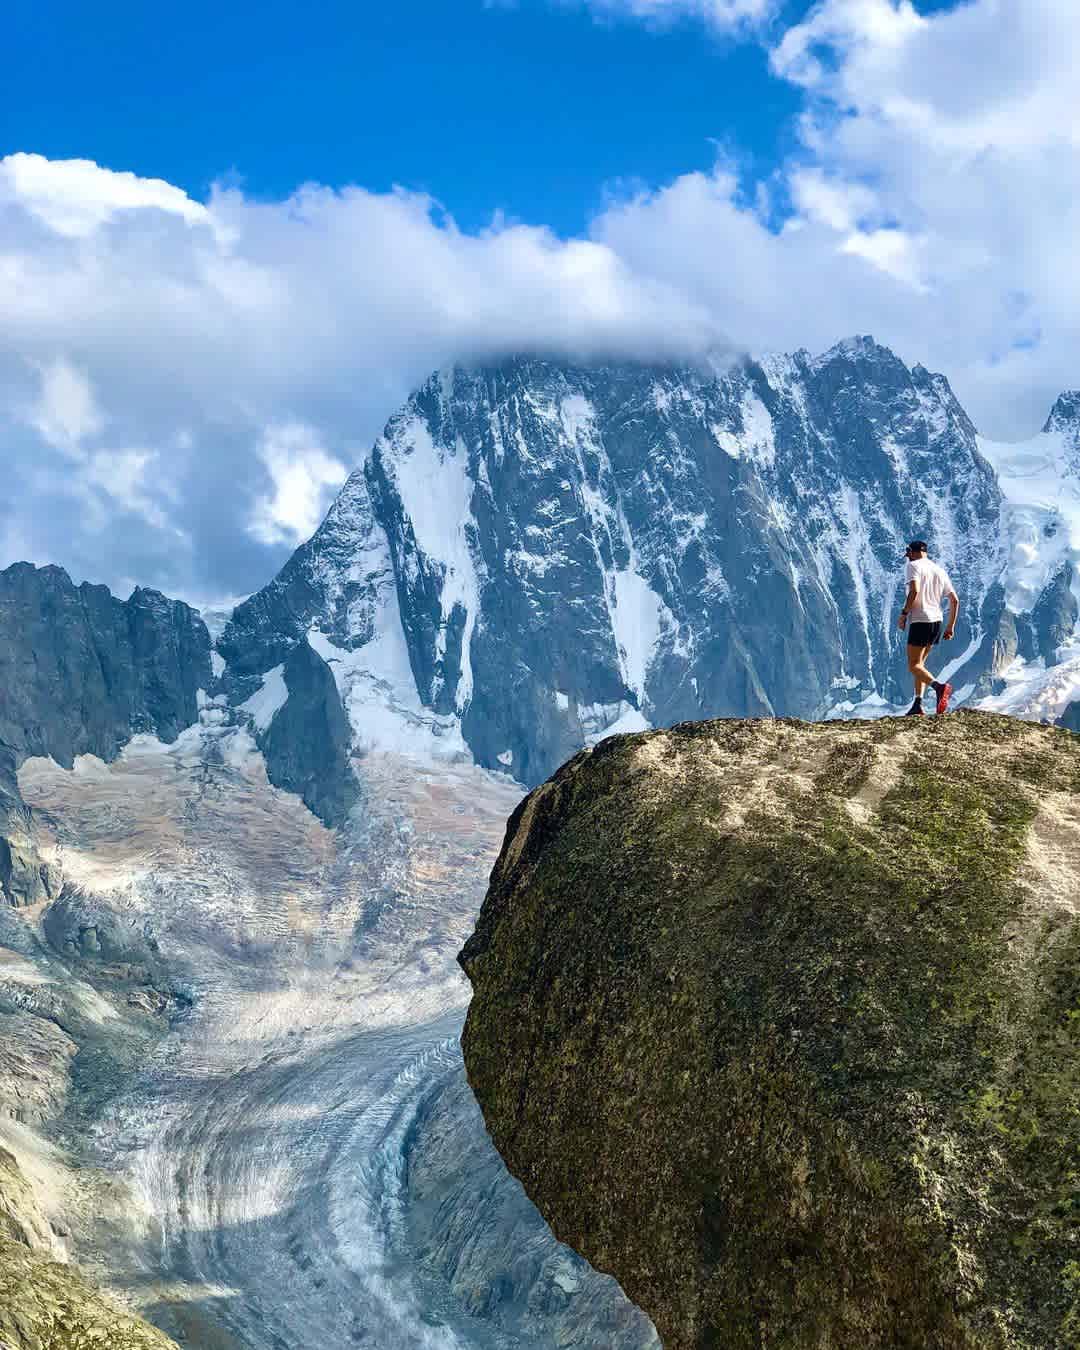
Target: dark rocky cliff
80 673
779 1023
307 743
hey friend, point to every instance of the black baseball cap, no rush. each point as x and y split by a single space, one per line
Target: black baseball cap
918 546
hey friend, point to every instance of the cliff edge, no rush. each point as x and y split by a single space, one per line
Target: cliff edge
779 1023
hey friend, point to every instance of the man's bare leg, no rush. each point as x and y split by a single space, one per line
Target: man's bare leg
916 659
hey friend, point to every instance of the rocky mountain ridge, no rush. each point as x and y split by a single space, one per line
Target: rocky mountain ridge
535 554
81 673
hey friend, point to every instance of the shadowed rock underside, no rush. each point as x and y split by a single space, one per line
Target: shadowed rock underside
779 1023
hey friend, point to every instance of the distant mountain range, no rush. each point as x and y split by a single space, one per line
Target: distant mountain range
535 555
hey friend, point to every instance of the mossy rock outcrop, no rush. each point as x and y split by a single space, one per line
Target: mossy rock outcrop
779 1023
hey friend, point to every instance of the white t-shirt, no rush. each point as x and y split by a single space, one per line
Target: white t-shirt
934 585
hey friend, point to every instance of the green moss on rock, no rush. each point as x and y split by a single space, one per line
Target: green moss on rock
780 1024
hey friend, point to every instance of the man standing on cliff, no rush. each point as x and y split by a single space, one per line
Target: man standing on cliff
927 585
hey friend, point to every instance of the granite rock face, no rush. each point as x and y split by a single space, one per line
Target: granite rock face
80 673
463 1209
306 745
1054 617
339 578
778 1023
25 877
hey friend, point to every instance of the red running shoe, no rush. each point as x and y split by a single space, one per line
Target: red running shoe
944 693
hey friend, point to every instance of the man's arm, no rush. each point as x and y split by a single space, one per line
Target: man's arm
912 592
954 610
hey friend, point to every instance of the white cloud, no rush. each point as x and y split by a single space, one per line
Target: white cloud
721 14
960 133
936 200
890 250
192 332
122 476
66 416
302 477
988 75
65 411
936 196
840 205
75 196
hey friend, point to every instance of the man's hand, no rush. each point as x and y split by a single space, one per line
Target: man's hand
901 622
954 614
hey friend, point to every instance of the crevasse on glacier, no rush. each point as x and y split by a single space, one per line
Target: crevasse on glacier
534 554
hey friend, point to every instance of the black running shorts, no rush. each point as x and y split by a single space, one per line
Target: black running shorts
924 634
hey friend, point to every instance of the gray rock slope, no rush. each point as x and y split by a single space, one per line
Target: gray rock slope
80 673
80 670
561 550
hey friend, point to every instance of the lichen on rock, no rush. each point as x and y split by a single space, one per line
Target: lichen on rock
779 1023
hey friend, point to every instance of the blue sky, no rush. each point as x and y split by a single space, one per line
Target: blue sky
194 352
531 109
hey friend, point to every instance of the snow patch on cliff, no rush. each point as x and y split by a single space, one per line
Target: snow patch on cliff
268 700
753 438
1037 693
379 694
638 616
1041 514
436 492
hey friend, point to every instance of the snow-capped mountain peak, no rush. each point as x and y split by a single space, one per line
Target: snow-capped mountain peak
1065 416
535 553
1040 530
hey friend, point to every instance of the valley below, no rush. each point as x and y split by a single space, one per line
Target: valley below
258 1132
